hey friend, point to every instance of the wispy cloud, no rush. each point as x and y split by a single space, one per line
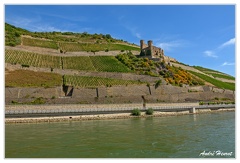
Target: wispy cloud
212 53
138 35
209 53
228 64
22 21
170 45
37 24
127 25
133 31
77 18
229 42
32 24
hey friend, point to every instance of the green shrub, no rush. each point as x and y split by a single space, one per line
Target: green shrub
15 102
158 83
201 103
23 65
136 112
149 111
38 100
148 84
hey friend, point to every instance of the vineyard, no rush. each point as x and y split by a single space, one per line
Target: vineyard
32 59
217 83
39 43
214 73
26 78
109 64
90 47
76 46
78 63
92 82
82 63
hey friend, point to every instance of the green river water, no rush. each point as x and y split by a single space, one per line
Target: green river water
186 136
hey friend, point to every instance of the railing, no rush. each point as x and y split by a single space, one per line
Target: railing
122 109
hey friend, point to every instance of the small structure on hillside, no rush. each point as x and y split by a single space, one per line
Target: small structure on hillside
150 51
154 53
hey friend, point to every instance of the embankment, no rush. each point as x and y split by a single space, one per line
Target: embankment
65 117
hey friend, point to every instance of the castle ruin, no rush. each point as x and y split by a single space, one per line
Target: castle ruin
154 53
150 51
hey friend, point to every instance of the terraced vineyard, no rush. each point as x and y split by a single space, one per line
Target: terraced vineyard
39 43
72 47
26 78
82 63
76 46
92 82
78 63
109 64
214 73
224 76
217 83
32 59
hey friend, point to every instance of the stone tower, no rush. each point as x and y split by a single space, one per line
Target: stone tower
151 51
150 43
142 44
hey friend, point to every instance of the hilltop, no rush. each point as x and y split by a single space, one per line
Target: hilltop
92 68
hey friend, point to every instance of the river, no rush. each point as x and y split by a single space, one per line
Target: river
209 135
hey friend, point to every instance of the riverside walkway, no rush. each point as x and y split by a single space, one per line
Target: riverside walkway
66 110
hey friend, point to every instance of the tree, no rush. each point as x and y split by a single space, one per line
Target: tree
108 36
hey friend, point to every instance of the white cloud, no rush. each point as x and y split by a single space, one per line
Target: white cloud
138 35
227 64
129 26
77 18
32 24
168 46
134 32
46 28
229 42
209 53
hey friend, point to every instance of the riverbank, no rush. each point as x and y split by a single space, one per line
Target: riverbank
106 116
97 106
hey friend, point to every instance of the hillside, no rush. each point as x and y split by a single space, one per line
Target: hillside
65 41
92 61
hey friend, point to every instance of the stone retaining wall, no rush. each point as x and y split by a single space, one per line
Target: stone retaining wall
117 94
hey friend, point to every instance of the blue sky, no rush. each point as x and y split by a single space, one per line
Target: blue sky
202 35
